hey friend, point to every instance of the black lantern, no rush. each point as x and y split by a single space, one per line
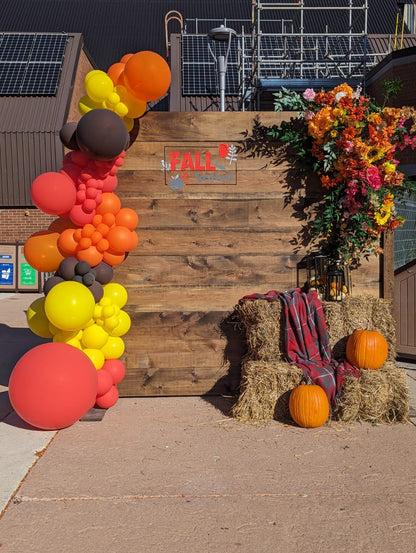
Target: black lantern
316 273
336 289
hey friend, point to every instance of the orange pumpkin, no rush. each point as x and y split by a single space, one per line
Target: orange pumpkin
367 349
309 406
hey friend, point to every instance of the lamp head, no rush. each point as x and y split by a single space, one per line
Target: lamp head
222 33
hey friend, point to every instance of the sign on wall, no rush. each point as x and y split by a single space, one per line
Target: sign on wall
7 267
193 166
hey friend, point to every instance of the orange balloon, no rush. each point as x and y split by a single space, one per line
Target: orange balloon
136 107
41 251
67 244
113 258
91 255
134 239
109 219
147 76
126 58
127 217
120 239
115 72
110 204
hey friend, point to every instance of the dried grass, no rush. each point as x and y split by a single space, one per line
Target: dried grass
267 378
265 390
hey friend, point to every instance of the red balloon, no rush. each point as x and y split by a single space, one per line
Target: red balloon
53 385
53 193
109 399
105 382
116 368
147 76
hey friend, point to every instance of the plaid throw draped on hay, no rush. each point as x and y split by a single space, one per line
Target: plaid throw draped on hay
307 340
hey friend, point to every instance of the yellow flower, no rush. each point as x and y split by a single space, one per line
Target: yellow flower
374 118
389 168
375 153
383 215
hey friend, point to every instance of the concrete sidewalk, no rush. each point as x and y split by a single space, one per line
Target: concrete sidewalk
179 475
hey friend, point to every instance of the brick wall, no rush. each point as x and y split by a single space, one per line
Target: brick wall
16 225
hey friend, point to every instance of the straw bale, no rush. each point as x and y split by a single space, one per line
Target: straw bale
384 395
349 403
265 390
267 378
263 324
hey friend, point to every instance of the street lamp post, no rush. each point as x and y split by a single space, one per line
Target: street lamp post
221 34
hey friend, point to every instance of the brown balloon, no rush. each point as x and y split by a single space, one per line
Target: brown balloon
68 136
102 135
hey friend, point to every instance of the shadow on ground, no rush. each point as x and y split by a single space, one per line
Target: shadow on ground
14 343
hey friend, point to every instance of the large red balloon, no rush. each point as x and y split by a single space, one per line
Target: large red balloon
53 193
147 76
53 385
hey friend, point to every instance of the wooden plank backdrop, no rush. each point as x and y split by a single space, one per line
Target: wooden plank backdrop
204 246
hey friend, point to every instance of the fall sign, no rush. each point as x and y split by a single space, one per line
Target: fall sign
185 166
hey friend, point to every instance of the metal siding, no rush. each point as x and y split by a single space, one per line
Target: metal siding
29 134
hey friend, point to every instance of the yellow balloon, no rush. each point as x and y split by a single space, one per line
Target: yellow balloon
94 337
114 348
91 74
86 104
124 324
116 293
69 305
129 122
135 107
99 86
121 109
113 99
37 319
108 311
96 356
70 342
65 335
110 323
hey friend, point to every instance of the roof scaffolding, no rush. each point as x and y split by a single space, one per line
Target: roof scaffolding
285 44
306 45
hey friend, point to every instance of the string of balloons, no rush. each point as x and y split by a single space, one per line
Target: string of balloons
56 383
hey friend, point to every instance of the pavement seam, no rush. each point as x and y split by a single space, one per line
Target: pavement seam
38 454
24 499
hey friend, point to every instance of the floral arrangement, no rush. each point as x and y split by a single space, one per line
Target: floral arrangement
350 143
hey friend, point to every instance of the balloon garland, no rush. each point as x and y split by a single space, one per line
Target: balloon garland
56 383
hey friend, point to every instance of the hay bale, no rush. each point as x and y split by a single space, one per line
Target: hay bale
265 389
384 395
263 323
349 402
267 378
376 396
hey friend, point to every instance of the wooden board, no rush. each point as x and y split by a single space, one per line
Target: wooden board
205 245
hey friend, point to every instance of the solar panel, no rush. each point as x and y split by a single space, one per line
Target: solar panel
31 64
199 73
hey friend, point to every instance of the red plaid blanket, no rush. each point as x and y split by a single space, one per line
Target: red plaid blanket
307 340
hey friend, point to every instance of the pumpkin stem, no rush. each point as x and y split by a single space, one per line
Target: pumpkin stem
308 380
